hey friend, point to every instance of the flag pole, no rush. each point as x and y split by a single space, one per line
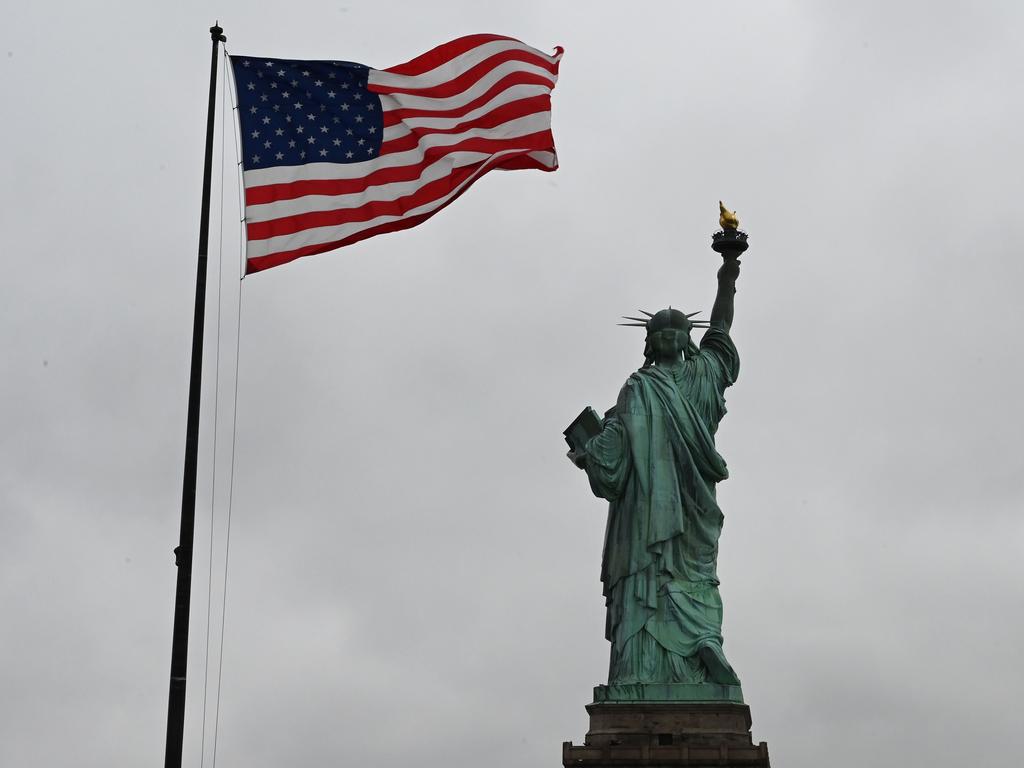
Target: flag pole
183 552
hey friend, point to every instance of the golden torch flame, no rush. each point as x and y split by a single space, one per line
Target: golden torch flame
727 219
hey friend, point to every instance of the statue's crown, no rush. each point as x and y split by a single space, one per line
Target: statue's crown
665 319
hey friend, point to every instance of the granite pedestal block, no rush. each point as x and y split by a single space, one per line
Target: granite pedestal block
667 735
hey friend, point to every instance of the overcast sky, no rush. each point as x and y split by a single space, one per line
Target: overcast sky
413 562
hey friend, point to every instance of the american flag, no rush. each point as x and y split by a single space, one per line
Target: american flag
335 152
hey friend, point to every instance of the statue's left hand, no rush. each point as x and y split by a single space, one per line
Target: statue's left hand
579 459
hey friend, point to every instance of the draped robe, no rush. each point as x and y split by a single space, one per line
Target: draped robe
655 462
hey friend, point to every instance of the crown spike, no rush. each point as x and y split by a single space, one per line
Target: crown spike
638 319
645 312
636 325
694 313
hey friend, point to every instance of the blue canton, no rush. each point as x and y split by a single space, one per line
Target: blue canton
298 112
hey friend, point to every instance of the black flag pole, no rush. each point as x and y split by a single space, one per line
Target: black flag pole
183 552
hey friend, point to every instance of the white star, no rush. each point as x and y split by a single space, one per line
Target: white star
305 73
323 129
287 118
300 129
279 156
269 63
277 107
311 140
331 94
337 119
279 132
344 107
298 105
372 129
311 116
348 131
295 83
255 158
357 96
369 151
323 153
337 142
318 83
266 145
273 85
302 154
345 86
255 134
280 73
359 118
371 107
361 142
291 144
245 63
263 97
266 120
252 86
349 153
252 110
285 94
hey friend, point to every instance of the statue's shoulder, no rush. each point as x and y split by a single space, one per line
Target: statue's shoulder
629 393
718 345
636 391
641 376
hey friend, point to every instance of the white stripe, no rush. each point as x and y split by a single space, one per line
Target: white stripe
395 132
390 101
319 235
454 67
515 93
547 159
501 98
396 189
513 129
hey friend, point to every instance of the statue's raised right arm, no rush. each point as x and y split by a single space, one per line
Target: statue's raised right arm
722 311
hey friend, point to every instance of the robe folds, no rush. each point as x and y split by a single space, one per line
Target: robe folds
655 462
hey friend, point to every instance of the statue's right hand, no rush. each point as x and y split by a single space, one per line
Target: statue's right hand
729 270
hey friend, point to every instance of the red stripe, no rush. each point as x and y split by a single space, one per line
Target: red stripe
446 52
525 162
531 105
269 193
395 116
466 79
288 225
400 144
260 263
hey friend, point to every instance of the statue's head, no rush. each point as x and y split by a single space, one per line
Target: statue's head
668 335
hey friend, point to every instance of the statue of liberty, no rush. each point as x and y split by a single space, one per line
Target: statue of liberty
653 457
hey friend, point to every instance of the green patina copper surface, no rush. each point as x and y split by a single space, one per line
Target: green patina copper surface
668 692
655 461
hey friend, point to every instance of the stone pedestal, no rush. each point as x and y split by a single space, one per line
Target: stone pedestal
667 735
